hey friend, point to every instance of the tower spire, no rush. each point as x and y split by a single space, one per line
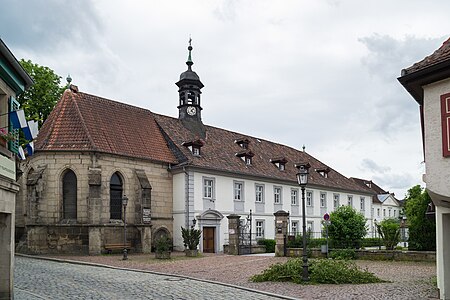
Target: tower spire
189 60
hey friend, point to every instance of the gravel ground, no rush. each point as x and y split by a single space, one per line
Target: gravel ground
407 280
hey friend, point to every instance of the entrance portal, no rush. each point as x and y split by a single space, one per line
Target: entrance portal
208 239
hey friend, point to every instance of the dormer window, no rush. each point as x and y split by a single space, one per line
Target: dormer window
243 143
369 184
279 162
246 156
194 147
323 172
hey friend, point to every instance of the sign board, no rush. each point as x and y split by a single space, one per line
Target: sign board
231 231
146 215
326 217
7 167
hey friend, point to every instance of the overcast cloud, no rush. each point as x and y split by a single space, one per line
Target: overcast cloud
315 73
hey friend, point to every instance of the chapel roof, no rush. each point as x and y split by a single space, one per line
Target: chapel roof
84 122
219 153
438 56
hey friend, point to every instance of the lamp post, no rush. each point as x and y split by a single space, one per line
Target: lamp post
124 204
194 221
302 179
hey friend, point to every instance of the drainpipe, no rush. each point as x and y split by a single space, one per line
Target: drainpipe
186 195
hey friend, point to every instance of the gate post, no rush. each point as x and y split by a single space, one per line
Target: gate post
281 226
233 234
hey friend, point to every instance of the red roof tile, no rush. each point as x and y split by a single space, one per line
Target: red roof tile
440 55
84 122
219 153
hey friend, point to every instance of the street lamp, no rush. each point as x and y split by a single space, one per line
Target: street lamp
302 179
194 221
124 204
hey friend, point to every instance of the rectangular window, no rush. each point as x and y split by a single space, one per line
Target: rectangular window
384 212
277 195
336 201
259 190
310 226
445 121
309 198
394 212
389 212
363 203
238 191
378 212
323 199
350 201
259 229
294 227
294 196
208 188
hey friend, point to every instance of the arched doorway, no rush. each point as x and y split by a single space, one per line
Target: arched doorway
209 224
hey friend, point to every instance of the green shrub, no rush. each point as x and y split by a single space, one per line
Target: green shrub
371 242
270 245
191 237
389 230
343 254
347 227
320 271
163 244
316 243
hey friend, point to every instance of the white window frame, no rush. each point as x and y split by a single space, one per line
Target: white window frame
323 200
362 203
309 198
277 193
261 193
259 228
295 227
294 196
336 201
209 190
238 193
350 200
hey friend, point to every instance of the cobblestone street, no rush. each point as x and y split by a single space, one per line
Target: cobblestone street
41 279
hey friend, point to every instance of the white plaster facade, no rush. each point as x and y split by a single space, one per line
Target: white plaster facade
189 203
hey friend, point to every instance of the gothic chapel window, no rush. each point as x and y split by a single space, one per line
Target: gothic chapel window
69 195
115 194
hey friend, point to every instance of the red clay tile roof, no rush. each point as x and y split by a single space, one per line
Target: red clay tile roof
83 122
440 55
219 153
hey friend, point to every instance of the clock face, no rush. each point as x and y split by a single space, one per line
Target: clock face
191 110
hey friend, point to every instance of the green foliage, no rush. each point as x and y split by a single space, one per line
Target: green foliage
347 227
270 245
297 242
39 100
422 231
191 237
320 271
371 242
343 254
163 244
389 230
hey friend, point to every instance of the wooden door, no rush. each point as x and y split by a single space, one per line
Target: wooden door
208 239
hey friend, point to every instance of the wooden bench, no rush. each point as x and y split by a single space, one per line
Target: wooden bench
111 247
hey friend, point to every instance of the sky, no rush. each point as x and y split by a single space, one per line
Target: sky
319 73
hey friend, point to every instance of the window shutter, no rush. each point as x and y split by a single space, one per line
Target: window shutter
445 115
13 145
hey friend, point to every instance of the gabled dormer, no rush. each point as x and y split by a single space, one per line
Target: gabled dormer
194 146
279 162
242 142
246 156
323 172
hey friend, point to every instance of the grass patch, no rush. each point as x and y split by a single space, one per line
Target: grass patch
320 271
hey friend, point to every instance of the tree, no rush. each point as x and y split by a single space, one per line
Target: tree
389 230
347 227
422 231
39 100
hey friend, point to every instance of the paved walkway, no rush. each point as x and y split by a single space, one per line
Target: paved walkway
43 279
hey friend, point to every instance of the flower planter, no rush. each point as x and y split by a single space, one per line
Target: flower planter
191 253
162 255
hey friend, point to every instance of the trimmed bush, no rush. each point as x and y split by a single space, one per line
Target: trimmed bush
270 245
343 254
320 271
371 242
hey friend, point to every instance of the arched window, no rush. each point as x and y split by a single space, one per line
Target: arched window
69 195
115 193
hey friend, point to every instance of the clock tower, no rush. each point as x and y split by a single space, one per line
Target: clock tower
189 105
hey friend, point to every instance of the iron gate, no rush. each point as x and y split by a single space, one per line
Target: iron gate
245 235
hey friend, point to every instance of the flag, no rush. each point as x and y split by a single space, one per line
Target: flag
21 153
30 148
33 125
17 118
